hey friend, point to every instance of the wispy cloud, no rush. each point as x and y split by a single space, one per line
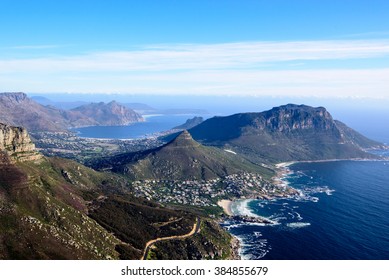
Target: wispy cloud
233 68
34 47
195 57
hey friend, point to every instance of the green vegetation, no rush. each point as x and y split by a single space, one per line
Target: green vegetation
136 221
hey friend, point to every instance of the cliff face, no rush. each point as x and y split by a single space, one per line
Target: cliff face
293 117
16 144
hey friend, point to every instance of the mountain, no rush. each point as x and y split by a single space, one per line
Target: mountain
286 133
190 123
181 159
52 208
19 110
111 113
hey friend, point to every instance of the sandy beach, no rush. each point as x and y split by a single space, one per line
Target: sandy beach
226 205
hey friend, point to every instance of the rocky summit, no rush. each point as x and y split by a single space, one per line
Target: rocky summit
16 144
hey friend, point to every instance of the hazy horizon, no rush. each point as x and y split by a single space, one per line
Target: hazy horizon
367 116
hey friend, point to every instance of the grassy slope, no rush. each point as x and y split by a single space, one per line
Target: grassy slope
44 217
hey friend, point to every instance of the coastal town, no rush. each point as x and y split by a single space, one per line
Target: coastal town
70 145
204 193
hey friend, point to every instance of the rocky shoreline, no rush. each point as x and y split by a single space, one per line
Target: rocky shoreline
251 219
235 248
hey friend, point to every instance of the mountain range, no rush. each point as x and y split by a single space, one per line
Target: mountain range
19 110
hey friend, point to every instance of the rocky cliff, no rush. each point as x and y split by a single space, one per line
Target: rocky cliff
16 144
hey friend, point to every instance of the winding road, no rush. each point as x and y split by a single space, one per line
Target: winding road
195 229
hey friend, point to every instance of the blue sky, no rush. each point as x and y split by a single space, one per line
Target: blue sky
261 48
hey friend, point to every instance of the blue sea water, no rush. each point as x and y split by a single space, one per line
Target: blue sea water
153 124
343 213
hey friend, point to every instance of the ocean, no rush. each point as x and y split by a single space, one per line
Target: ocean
153 124
343 213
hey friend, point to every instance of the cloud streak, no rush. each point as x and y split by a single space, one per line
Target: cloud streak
233 68
195 57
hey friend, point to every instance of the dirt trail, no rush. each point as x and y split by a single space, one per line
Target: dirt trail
195 229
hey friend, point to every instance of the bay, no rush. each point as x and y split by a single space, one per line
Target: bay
153 124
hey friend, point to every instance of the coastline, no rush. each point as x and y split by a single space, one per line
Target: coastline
226 205
289 163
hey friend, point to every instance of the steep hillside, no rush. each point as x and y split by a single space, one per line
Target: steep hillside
285 133
181 159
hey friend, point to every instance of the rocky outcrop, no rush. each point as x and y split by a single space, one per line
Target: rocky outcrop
296 117
15 143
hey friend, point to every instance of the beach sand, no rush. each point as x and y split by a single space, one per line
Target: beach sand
226 205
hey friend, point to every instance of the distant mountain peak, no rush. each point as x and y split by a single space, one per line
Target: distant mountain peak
184 139
14 96
112 113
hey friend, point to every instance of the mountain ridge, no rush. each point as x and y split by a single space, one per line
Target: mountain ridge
19 110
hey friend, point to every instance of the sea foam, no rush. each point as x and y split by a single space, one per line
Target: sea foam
298 225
